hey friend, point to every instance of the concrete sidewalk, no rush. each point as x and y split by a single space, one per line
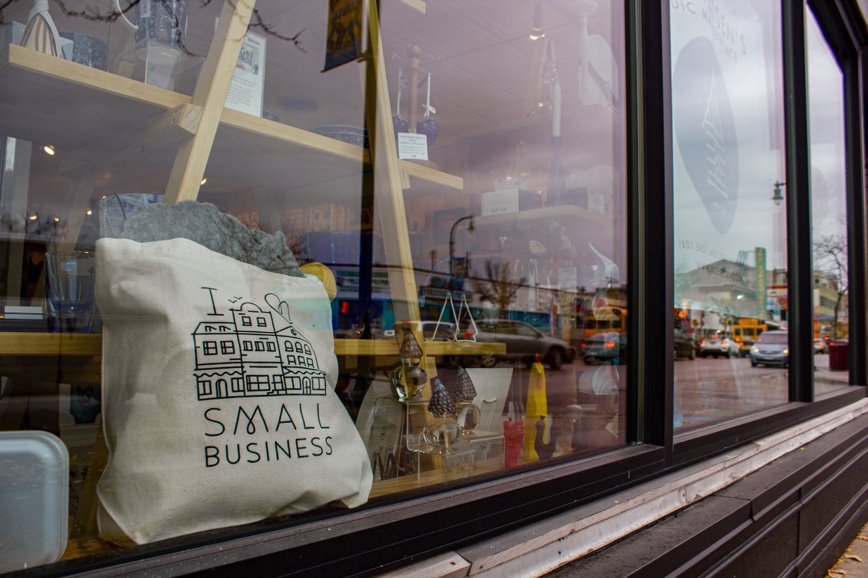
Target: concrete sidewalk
854 561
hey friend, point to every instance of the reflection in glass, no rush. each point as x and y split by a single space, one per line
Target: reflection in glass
500 228
524 267
828 211
730 227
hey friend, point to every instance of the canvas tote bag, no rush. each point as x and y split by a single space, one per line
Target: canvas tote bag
218 394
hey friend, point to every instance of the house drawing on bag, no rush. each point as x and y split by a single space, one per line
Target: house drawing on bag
248 357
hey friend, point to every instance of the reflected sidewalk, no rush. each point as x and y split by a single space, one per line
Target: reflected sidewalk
824 374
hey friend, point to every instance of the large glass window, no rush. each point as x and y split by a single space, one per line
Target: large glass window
467 180
730 226
526 260
828 213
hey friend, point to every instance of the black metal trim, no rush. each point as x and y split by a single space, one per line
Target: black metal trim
700 443
838 21
366 540
799 242
655 248
856 216
635 225
759 525
856 102
377 536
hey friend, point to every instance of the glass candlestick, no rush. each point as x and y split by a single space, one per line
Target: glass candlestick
442 434
468 416
409 378
407 381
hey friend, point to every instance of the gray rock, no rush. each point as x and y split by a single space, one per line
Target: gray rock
203 223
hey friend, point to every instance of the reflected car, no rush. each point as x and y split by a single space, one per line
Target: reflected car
685 345
605 347
438 331
821 346
523 341
771 348
717 345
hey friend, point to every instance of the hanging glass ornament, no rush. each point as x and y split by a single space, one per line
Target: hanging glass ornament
398 123
428 126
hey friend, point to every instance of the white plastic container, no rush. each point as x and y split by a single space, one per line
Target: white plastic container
34 499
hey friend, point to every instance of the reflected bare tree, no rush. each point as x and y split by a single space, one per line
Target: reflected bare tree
498 287
94 13
29 226
830 256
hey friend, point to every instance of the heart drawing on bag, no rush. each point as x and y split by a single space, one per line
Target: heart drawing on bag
278 305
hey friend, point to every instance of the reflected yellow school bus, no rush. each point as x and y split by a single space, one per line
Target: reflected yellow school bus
745 331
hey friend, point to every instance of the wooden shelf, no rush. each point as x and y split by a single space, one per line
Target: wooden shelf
78 357
47 344
417 5
463 348
551 213
430 477
45 99
424 180
49 100
49 357
255 151
366 347
80 344
362 347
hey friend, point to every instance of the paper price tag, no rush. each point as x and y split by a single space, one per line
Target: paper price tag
412 146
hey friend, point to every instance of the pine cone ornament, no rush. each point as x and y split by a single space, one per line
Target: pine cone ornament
441 403
465 391
410 348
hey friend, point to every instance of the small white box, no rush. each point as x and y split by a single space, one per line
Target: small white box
34 499
486 445
600 203
22 312
500 202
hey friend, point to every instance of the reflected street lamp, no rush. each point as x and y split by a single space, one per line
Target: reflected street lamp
778 195
778 224
452 241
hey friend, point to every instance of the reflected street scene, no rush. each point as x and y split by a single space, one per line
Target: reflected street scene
715 389
828 205
731 281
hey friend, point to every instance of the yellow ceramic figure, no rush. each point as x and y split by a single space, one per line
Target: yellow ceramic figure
536 408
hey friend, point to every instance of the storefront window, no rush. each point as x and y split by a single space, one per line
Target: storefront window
460 196
828 213
730 226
